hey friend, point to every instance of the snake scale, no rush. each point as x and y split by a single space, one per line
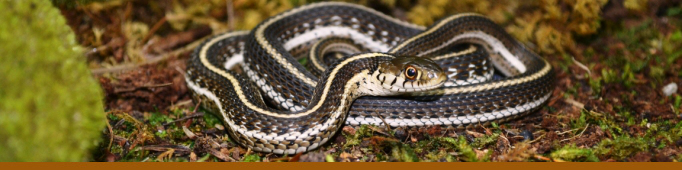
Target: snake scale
364 67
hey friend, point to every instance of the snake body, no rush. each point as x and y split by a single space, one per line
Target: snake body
283 108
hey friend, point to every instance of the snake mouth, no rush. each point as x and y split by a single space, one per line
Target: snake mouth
436 80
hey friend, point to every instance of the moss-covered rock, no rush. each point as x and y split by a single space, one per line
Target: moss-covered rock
50 106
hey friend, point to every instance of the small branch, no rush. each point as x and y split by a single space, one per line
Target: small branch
581 65
220 155
537 139
248 151
581 133
111 135
192 116
564 132
126 67
197 106
154 29
178 149
145 86
388 127
181 103
230 15
575 103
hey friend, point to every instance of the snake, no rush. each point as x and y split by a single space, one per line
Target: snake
389 73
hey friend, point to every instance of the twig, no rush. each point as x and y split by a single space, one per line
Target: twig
109 46
92 16
181 103
581 133
111 134
564 132
388 127
196 106
180 70
192 116
487 131
673 108
539 137
167 154
220 155
144 86
154 29
374 129
248 151
505 138
230 15
581 65
179 149
126 67
128 11
189 133
575 103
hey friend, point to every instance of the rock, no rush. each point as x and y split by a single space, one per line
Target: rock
669 89
51 107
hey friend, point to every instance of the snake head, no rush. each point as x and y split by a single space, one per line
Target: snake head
411 74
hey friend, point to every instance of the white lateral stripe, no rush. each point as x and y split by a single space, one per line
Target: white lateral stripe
351 33
494 43
234 60
487 86
427 32
278 57
456 120
273 94
313 131
336 47
251 106
459 53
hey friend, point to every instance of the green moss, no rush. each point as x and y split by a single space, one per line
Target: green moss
621 147
573 153
628 77
72 3
439 156
158 119
596 85
211 119
252 158
51 107
404 153
484 141
671 45
464 150
667 132
609 75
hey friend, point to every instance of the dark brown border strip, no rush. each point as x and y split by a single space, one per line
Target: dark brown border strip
343 166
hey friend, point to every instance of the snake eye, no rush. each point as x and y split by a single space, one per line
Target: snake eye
411 72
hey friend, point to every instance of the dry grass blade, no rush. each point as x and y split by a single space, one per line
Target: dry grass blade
163 57
177 149
221 155
168 155
192 116
140 87
581 65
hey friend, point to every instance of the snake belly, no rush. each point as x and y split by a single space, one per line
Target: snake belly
276 73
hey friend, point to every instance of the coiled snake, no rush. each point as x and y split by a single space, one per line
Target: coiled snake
409 75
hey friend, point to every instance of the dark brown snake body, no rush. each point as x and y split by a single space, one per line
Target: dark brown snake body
308 110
